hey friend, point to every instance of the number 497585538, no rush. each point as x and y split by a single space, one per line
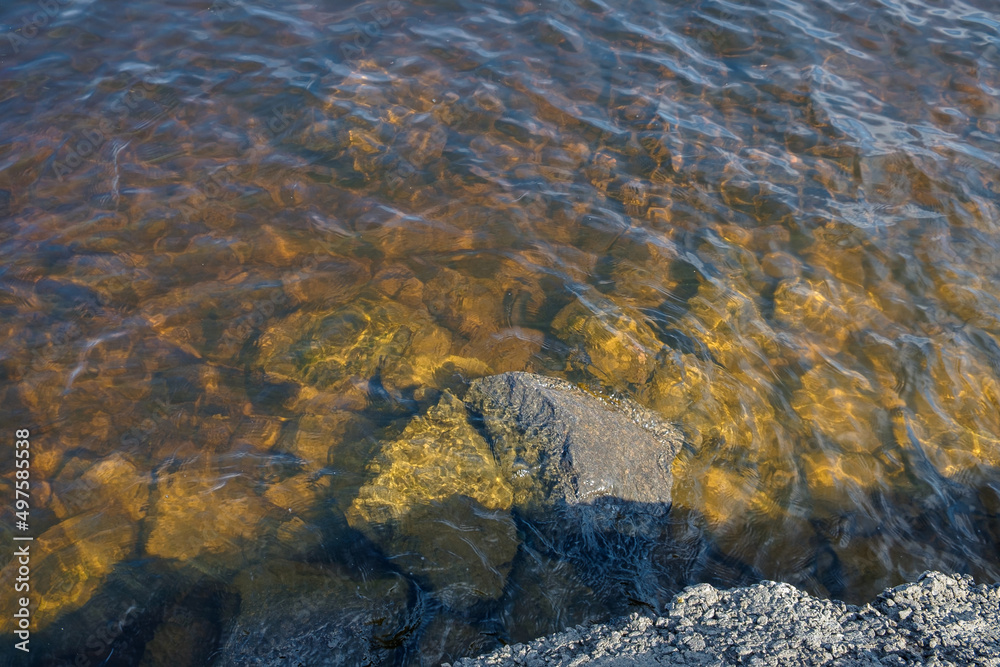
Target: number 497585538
22 447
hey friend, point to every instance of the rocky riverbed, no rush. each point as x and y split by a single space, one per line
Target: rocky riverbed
938 620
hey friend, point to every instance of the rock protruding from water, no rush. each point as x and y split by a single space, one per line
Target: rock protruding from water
563 448
939 620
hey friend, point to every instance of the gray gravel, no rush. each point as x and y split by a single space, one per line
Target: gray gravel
939 620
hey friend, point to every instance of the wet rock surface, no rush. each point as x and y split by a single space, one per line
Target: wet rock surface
938 620
562 447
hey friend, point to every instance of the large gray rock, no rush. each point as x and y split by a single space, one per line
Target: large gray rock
607 461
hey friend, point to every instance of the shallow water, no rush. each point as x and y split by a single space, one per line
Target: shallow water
245 244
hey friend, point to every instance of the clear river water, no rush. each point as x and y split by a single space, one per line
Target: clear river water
246 244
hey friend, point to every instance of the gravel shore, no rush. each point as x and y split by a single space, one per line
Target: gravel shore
938 620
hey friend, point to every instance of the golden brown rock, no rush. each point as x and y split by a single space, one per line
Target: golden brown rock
318 434
781 265
439 503
511 349
194 514
69 563
113 482
843 408
325 349
618 344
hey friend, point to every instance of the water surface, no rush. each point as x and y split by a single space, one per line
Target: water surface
245 244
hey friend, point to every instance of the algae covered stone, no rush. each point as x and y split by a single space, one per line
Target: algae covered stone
439 505
619 345
361 339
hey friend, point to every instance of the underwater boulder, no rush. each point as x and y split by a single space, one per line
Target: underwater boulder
439 506
328 349
200 518
616 344
69 563
295 613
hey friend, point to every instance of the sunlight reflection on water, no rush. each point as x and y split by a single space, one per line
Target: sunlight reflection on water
244 245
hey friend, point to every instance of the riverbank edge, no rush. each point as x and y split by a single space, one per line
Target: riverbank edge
937 620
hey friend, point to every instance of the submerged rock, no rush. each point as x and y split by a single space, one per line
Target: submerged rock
363 339
546 593
439 505
617 344
69 563
186 634
563 448
112 481
301 614
195 515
